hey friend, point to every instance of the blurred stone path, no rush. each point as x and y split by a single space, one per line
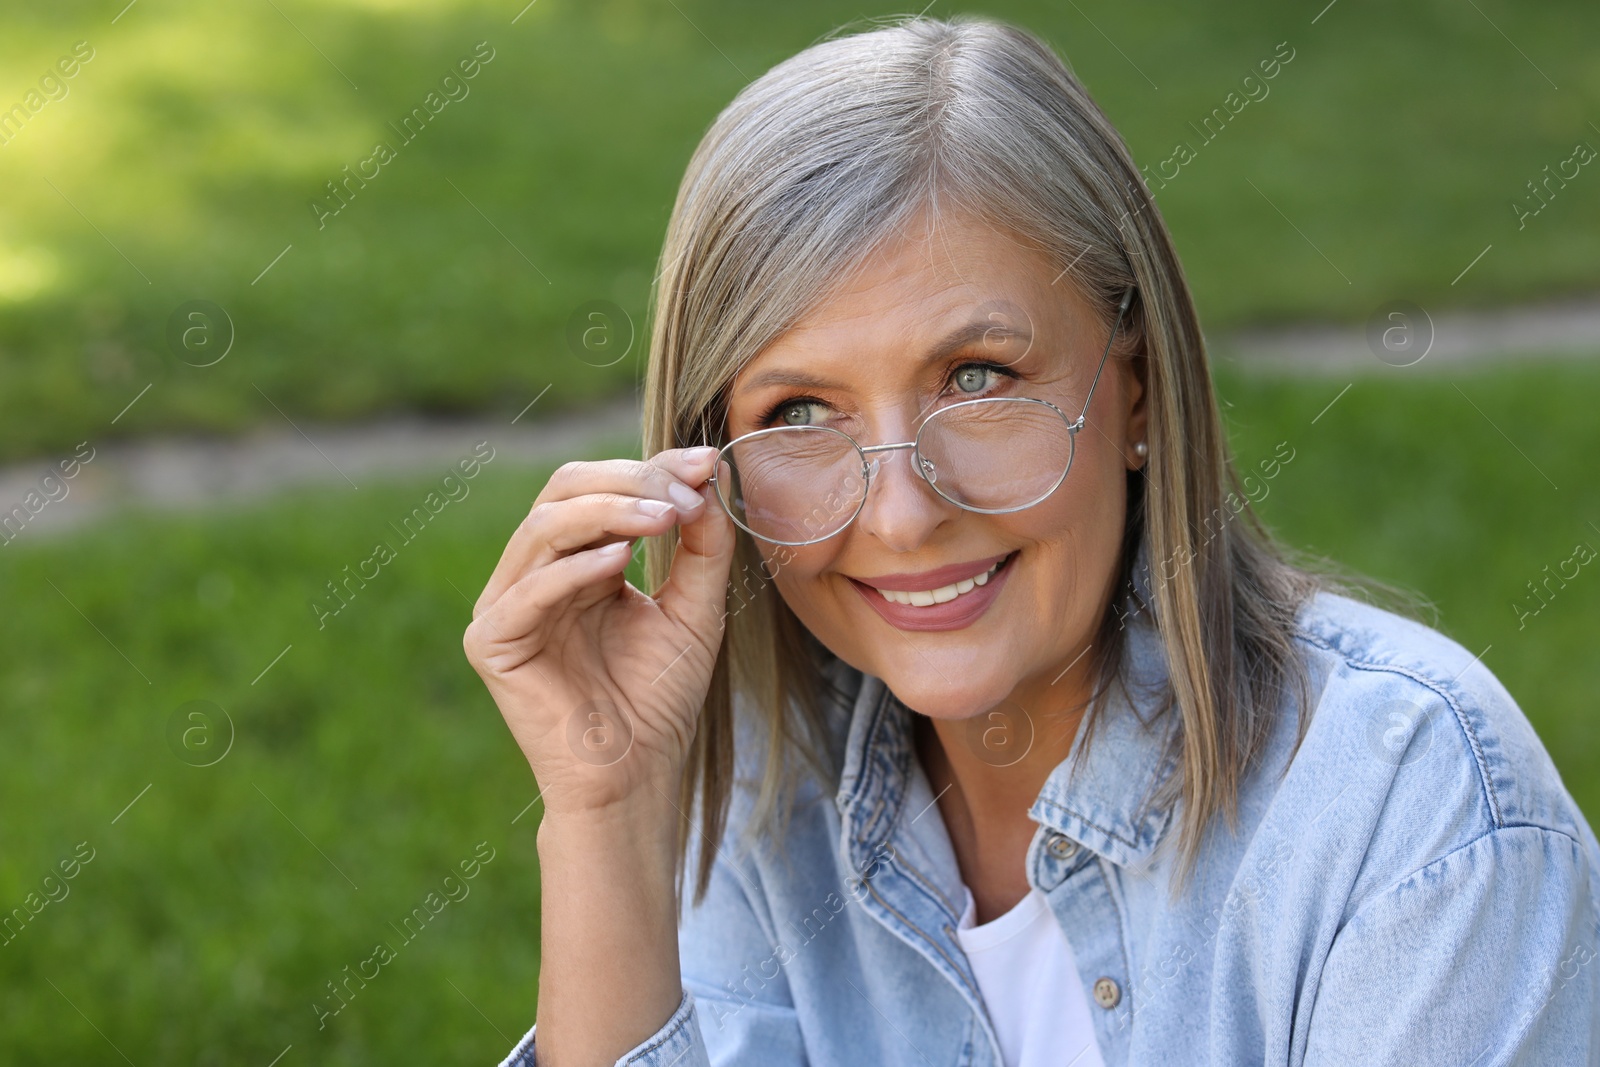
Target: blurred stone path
189 472
1564 329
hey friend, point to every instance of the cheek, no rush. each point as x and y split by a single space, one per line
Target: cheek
1072 541
1077 515
827 606
786 564
809 580
800 575
1095 493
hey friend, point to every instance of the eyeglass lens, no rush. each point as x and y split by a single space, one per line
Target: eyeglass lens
798 484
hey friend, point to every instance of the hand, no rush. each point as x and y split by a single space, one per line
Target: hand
601 684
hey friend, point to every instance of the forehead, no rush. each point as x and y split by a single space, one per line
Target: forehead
918 289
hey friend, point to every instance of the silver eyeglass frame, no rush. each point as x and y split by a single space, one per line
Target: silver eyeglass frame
922 466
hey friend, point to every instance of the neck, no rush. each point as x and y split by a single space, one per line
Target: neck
998 761
986 773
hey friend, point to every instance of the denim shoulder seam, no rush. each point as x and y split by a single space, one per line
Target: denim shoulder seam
1535 826
1485 780
1400 882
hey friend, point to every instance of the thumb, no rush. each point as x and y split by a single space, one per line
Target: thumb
697 582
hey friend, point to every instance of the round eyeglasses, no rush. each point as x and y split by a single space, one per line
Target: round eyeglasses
798 485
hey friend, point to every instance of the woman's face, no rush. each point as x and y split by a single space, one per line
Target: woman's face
874 367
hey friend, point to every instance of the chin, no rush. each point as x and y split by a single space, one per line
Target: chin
954 696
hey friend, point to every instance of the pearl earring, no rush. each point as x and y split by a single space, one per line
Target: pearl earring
1141 449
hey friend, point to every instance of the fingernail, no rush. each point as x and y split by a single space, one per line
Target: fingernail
702 454
654 508
686 499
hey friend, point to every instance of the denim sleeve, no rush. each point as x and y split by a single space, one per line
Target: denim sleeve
1485 957
732 963
736 1009
677 1043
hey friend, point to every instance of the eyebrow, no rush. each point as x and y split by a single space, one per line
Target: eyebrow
954 342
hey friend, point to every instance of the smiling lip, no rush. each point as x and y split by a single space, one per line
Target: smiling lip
939 576
955 614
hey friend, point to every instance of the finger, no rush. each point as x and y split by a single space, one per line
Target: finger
653 477
521 620
668 477
697 582
691 465
554 530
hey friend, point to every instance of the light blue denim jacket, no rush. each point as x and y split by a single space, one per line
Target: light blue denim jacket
1418 889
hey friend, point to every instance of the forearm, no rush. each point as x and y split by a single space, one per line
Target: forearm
609 948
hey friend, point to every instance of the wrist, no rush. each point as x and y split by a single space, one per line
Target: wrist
642 825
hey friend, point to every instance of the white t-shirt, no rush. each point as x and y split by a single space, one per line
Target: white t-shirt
1030 984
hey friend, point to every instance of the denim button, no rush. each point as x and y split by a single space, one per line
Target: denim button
1062 847
1107 993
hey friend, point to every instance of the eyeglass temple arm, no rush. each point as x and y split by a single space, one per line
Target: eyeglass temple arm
1122 309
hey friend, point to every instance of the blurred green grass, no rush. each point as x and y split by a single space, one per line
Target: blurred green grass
1385 158
209 923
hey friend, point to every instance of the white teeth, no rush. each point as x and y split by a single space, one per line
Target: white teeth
923 598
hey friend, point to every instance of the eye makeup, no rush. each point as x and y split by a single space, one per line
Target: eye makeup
770 417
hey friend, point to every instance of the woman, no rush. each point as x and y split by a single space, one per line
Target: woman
974 718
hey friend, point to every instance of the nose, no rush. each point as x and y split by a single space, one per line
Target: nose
901 509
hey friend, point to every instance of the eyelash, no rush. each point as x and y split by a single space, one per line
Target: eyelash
770 416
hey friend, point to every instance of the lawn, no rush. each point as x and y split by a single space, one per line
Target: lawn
367 764
184 160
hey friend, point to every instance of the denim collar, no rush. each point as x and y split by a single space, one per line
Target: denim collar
1102 798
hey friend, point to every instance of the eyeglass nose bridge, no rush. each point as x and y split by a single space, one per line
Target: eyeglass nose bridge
923 466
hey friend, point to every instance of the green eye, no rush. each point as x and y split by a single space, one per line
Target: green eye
972 377
797 413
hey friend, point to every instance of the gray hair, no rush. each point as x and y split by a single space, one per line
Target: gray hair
813 166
